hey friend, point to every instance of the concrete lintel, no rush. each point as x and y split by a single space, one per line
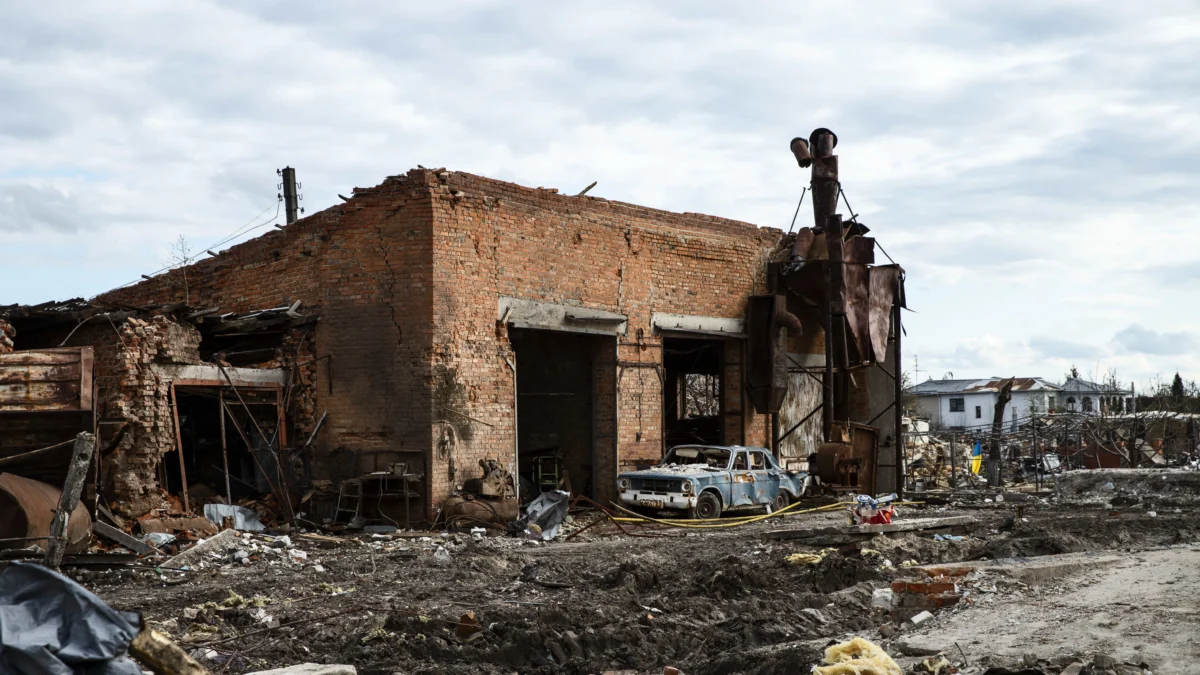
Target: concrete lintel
702 325
523 313
806 360
242 377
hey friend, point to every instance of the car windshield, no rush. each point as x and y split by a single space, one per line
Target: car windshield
716 458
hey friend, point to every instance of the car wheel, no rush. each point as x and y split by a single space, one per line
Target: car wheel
781 501
708 505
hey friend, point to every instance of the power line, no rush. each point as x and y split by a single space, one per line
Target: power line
249 226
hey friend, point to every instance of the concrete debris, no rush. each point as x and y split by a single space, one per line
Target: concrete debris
224 541
309 669
921 617
1129 488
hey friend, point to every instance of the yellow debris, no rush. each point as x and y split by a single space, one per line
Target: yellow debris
809 558
857 657
234 600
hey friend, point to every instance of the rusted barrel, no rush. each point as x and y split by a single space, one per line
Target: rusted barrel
26 509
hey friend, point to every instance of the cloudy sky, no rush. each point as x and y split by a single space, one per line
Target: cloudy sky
1033 165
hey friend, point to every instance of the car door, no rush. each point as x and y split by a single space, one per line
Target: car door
741 486
765 485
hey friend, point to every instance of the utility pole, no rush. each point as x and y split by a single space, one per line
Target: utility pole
291 200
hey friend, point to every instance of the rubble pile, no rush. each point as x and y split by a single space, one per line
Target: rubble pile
1124 488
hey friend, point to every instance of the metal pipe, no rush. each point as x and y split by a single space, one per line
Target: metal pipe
224 448
516 439
899 390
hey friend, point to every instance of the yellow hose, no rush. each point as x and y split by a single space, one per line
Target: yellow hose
724 523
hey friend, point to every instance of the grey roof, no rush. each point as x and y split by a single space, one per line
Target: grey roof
983 386
1075 384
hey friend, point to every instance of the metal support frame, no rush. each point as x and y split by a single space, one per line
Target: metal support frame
224 447
179 450
902 472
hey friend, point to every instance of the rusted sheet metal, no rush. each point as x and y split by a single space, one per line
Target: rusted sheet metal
46 380
26 509
858 312
860 250
882 294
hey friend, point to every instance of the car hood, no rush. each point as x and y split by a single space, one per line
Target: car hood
673 471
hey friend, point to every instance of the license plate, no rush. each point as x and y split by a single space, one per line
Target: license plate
652 503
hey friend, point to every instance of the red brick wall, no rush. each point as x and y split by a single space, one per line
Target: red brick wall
364 267
494 239
406 278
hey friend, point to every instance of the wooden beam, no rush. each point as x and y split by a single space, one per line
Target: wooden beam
179 449
81 458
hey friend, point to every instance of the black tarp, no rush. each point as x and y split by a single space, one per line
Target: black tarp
50 625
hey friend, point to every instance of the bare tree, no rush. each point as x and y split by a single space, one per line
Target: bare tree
179 259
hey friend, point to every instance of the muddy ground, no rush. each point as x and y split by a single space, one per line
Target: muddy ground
724 601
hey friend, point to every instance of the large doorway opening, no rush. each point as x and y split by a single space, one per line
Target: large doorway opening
252 468
692 401
561 408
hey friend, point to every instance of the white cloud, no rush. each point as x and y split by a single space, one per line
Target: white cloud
1030 164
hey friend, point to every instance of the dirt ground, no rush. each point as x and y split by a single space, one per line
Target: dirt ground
725 601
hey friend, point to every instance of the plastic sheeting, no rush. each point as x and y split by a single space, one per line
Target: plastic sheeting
50 625
547 512
244 519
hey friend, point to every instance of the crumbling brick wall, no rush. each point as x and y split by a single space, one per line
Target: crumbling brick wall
128 389
7 333
364 268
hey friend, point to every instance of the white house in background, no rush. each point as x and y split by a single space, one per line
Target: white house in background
970 404
1092 397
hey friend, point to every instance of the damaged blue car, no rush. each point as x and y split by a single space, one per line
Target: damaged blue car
708 480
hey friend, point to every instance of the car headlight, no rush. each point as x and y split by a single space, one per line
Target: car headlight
623 483
687 487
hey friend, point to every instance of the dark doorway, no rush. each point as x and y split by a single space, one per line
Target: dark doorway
200 433
557 408
692 401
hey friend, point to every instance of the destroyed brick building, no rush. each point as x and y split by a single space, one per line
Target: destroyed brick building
441 318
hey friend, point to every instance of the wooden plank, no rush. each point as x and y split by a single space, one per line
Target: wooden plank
87 386
39 396
35 357
133 544
81 458
48 372
183 481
